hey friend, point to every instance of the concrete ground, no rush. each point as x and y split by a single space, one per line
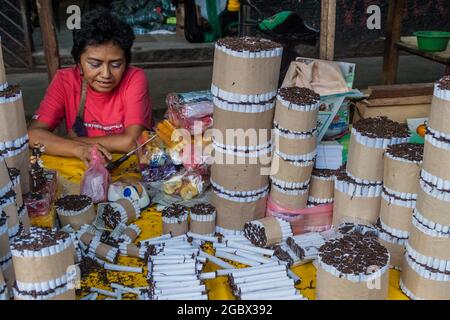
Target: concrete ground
412 69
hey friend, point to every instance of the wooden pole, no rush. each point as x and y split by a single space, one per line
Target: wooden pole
327 29
26 30
393 33
49 40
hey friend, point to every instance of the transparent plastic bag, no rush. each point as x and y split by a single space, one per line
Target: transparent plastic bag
96 179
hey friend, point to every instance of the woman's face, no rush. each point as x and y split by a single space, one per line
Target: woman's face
103 66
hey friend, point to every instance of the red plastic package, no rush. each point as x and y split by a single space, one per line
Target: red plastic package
314 219
96 179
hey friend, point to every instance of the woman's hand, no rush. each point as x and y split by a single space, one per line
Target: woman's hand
84 152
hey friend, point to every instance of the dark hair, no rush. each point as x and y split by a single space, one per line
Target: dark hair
99 26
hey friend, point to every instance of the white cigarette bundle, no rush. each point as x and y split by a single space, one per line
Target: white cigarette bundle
441 93
240 151
130 234
267 231
382 143
245 108
175 272
239 98
249 54
439 265
240 196
11 98
435 186
298 107
424 227
228 232
12 148
407 200
358 190
265 282
443 229
290 134
306 246
401 234
433 138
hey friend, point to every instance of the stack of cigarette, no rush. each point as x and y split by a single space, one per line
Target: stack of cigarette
265 282
321 190
306 246
358 189
295 146
426 267
174 272
244 85
42 261
402 164
4 293
121 211
90 242
175 219
9 184
353 267
267 231
13 132
6 266
203 219
75 210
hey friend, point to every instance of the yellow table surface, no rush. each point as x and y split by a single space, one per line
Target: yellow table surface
71 171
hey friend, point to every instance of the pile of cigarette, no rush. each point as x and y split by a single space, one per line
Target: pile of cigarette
267 231
269 281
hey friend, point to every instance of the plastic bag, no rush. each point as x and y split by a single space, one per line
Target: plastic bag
189 184
96 179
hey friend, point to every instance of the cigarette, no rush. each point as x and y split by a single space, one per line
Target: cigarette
174 267
289 297
251 256
244 270
264 276
185 290
287 284
293 276
90 296
180 296
171 261
216 260
177 272
179 284
171 257
252 272
202 237
233 244
125 289
103 292
207 275
116 267
172 278
157 240
268 294
233 257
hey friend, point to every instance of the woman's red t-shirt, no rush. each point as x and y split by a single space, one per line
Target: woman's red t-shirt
105 113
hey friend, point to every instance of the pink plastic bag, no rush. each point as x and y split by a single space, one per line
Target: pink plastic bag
96 179
315 219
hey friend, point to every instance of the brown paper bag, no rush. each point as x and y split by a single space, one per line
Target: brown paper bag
396 217
293 120
439 119
433 161
398 113
358 209
291 202
424 288
364 162
322 76
432 208
429 246
330 287
401 176
233 215
245 75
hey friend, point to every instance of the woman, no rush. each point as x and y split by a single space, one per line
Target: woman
105 101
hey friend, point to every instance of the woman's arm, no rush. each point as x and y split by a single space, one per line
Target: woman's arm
39 132
118 143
